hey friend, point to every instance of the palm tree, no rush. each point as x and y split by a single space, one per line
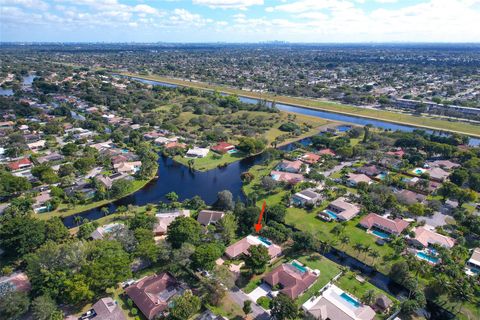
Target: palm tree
374 254
77 220
358 247
369 297
105 211
345 240
366 250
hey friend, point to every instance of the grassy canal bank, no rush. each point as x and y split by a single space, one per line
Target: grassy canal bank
393 117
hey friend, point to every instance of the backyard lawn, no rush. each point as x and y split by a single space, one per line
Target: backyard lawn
211 161
308 222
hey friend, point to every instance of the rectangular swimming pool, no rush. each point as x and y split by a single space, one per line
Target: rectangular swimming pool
424 256
350 300
264 240
299 267
331 214
381 234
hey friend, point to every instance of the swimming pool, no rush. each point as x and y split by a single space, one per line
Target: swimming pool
331 214
381 234
232 151
265 241
350 300
424 256
382 176
343 128
299 267
418 171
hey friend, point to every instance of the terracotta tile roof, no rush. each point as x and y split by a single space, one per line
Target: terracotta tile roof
426 237
310 158
108 309
374 220
241 247
222 147
16 165
293 281
152 294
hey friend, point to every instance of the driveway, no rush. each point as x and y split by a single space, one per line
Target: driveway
238 296
338 168
436 220
260 291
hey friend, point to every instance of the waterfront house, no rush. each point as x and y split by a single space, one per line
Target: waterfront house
128 167
425 237
353 179
223 147
291 178
290 166
334 303
197 152
206 217
107 309
160 141
473 264
326 152
40 204
164 219
240 247
152 294
102 231
175 144
310 158
293 278
374 221
307 196
340 209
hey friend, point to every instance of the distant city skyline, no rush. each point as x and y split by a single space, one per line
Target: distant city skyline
307 21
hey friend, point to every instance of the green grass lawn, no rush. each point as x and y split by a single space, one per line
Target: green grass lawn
350 284
308 222
420 121
63 211
212 160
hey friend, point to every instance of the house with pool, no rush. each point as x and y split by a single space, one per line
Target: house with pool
473 264
306 197
292 278
287 177
425 241
339 209
383 227
334 303
354 179
291 166
241 247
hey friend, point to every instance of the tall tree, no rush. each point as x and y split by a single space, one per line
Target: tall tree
282 307
182 230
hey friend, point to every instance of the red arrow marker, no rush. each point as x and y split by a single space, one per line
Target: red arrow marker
258 225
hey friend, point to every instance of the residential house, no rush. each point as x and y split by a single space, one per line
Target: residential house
102 231
375 221
290 166
353 179
473 264
383 303
52 157
107 309
36 146
165 218
306 197
197 152
408 197
206 217
160 141
293 278
175 144
17 281
209 315
241 247
334 303
398 153
425 237
291 178
444 164
223 147
310 158
41 200
370 171
108 181
340 209
19 164
152 294
437 174
128 167
327 152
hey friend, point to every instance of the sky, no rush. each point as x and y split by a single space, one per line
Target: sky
313 21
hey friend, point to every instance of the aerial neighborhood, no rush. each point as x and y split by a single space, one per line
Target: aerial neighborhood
127 198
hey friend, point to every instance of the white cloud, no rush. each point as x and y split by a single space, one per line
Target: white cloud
229 4
30 4
311 5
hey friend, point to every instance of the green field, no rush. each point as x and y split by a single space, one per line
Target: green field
211 161
419 121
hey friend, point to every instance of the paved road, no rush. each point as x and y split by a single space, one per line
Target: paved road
239 297
338 168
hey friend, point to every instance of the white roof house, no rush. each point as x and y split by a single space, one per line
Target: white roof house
102 231
473 264
334 303
197 152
